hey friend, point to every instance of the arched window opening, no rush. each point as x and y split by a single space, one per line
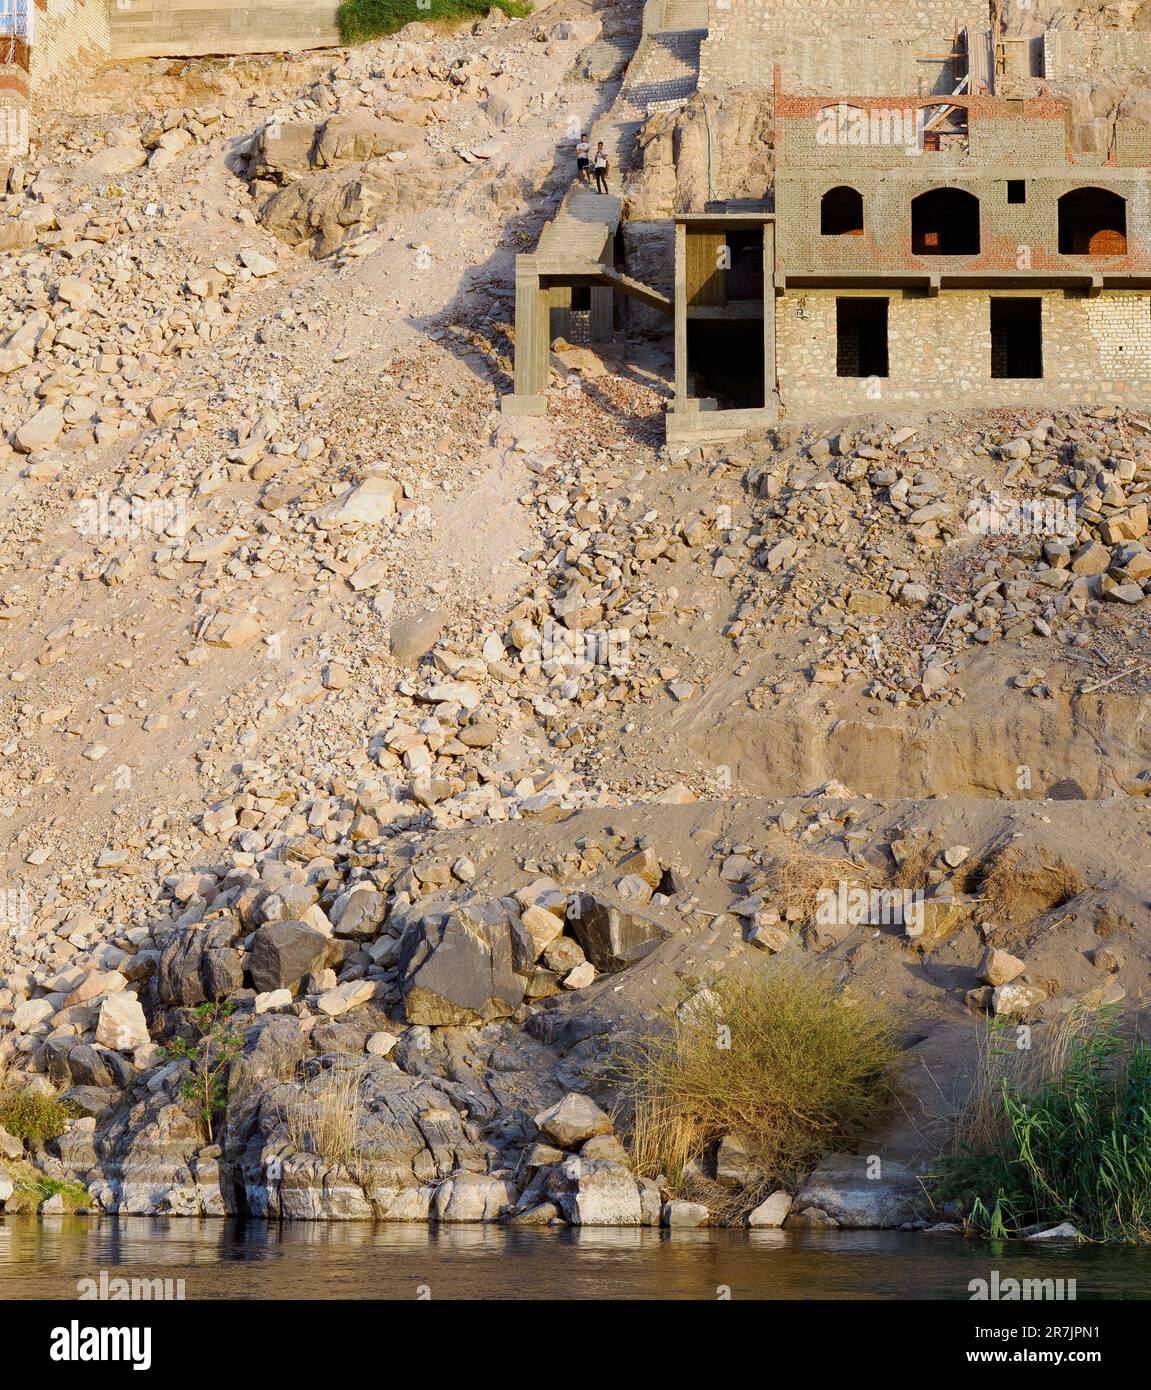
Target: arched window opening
841 213
1092 222
945 222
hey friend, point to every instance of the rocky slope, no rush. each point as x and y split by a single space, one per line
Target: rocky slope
453 752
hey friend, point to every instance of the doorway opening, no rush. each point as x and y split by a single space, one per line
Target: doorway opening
725 361
861 337
1016 338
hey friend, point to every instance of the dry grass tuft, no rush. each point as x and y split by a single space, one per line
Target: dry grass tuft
1001 1061
1020 885
324 1117
796 877
773 1056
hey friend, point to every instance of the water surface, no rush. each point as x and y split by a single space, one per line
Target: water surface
45 1257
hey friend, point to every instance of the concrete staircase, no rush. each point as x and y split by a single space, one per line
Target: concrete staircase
575 248
580 231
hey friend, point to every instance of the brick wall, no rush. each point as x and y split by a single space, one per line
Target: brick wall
1013 236
1095 351
70 39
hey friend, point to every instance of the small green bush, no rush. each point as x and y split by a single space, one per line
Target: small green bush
775 1056
1064 1142
33 1117
362 20
209 1061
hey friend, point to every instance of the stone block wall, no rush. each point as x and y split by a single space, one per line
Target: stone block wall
1075 53
873 134
747 37
1095 351
187 28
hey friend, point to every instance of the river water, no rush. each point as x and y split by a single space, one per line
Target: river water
46 1257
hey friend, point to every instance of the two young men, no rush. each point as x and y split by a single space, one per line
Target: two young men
586 161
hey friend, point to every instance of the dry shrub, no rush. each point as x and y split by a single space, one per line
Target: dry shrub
1020 885
796 877
324 1117
803 1074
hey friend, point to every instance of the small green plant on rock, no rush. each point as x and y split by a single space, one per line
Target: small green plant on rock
206 1083
33 1117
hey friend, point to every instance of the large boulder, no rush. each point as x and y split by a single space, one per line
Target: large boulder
359 911
771 1213
602 1194
472 1197
457 967
122 1025
284 952
612 939
363 505
200 964
861 1193
572 1121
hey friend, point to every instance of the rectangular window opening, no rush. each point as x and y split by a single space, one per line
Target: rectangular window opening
861 337
1016 338
1016 190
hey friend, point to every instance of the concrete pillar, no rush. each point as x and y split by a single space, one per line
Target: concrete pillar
602 315
680 316
770 365
533 341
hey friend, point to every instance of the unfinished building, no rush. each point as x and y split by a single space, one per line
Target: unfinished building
937 231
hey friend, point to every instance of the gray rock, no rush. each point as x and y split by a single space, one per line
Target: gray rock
199 965
612 939
413 637
604 1194
284 952
458 968
772 1213
359 911
841 1187
684 1214
572 1121
734 1166
472 1197
1064 1231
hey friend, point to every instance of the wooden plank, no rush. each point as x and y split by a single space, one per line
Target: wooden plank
706 281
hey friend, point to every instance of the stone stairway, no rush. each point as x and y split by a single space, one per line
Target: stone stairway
685 14
663 74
